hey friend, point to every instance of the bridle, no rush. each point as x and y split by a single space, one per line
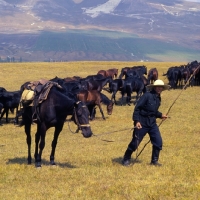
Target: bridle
80 126
77 121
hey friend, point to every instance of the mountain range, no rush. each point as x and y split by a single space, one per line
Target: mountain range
129 30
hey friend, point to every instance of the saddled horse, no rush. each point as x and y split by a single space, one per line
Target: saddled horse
110 72
152 75
52 112
94 98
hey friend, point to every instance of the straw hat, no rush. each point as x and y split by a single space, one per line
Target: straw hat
158 83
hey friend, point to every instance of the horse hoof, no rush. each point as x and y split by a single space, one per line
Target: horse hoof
52 163
29 160
38 165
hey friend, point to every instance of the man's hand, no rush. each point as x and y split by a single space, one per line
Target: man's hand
138 125
164 117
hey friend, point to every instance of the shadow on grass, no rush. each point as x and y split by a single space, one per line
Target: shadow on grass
23 160
119 161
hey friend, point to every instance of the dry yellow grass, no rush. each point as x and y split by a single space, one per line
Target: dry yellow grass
91 168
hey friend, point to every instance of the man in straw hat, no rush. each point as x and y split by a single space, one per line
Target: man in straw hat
144 117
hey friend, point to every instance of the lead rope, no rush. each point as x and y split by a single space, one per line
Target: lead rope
138 154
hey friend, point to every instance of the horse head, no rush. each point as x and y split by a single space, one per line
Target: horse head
81 118
116 73
110 108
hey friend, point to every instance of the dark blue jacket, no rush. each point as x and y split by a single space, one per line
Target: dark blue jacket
146 109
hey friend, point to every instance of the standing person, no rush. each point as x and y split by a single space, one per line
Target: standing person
144 117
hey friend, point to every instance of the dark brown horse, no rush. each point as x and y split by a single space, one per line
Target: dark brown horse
52 113
152 75
110 72
95 98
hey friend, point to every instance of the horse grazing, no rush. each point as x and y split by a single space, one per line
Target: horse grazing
95 98
52 112
109 73
152 75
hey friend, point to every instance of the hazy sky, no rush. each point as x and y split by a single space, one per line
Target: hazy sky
193 0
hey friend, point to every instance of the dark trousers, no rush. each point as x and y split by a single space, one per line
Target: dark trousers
138 135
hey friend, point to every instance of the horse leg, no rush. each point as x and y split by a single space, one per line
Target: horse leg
41 133
101 111
122 99
58 129
1 107
139 94
128 99
113 97
7 111
16 120
37 139
27 129
2 114
92 114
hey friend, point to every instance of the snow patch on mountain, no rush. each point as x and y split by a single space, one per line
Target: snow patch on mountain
105 8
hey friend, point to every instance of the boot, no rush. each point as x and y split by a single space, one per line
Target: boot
127 157
155 156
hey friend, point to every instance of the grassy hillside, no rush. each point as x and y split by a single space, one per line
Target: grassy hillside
90 169
116 44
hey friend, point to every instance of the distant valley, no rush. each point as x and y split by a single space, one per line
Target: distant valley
99 30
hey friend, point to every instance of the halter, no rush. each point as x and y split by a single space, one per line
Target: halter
76 118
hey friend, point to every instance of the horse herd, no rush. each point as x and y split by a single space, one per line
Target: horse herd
178 76
51 101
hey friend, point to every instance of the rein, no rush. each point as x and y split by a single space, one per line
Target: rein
77 121
110 133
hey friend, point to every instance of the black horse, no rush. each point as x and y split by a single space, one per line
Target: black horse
52 113
115 86
132 84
